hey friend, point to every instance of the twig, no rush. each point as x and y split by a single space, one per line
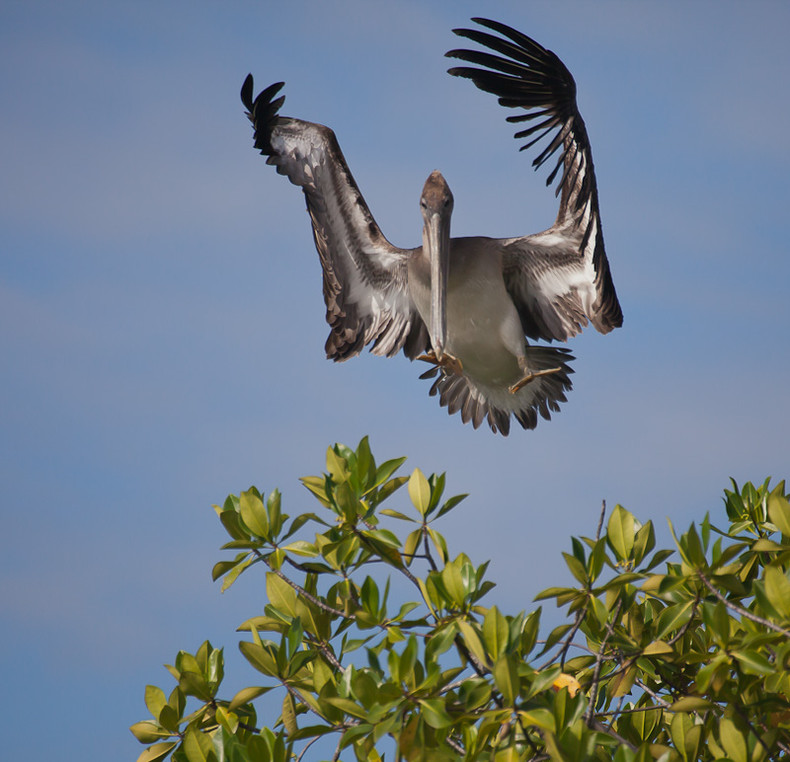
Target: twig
598 661
580 615
428 548
323 647
652 694
315 601
309 744
566 647
600 521
743 612
635 710
602 728
456 747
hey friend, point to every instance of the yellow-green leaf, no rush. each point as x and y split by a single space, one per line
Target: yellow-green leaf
253 513
732 740
198 746
154 699
691 704
148 732
281 595
495 632
777 588
434 713
620 532
289 714
419 491
779 512
506 678
472 641
657 647
245 695
157 752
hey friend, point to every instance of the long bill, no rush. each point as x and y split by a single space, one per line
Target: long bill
436 238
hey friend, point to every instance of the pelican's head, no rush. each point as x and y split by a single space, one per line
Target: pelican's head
436 204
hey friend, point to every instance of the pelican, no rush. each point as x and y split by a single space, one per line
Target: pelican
464 305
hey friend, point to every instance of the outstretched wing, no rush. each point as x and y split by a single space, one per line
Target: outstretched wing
365 276
559 279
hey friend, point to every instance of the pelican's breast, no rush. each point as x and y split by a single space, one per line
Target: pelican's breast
483 327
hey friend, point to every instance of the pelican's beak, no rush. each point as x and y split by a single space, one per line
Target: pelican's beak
436 239
437 208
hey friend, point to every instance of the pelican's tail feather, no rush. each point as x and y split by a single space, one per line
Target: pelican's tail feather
477 401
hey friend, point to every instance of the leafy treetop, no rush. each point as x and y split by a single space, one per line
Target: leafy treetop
665 655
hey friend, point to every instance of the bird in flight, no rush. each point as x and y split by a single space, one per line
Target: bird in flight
464 305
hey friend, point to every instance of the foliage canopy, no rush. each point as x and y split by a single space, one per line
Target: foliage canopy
666 654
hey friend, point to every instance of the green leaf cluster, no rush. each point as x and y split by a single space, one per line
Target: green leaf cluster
666 654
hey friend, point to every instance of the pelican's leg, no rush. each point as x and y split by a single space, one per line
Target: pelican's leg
529 375
448 361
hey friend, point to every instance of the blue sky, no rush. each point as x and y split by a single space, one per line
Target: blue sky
162 327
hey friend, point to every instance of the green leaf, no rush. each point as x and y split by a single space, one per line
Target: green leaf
543 680
148 731
387 469
454 583
508 754
157 752
620 532
439 543
644 542
777 589
658 648
348 706
439 641
420 491
274 513
245 695
408 659
229 721
779 512
537 718
336 465
281 595
764 544
289 714
253 513
529 631
753 663
472 641
243 562
685 735
506 678
155 699
396 515
732 740
673 618
434 713
262 657
198 746
691 704
301 548
577 568
495 632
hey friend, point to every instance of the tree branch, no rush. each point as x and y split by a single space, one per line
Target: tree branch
742 611
299 589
